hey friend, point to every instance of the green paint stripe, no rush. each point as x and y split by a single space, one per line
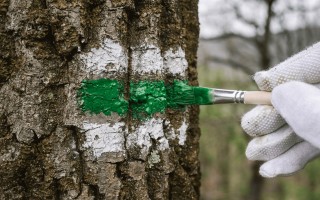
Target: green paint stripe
146 97
103 96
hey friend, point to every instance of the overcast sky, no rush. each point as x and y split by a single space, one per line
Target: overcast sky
214 24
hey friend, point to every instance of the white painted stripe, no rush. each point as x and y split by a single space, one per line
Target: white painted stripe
147 60
141 136
103 138
175 62
180 133
109 58
183 132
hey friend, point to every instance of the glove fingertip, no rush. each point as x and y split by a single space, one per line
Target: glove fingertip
249 153
249 124
252 153
290 162
246 125
263 81
261 120
266 173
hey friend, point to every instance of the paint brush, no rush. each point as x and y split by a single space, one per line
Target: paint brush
190 95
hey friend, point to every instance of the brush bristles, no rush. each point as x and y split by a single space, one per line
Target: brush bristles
185 98
203 96
183 94
180 94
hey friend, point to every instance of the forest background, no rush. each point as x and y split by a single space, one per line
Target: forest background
237 39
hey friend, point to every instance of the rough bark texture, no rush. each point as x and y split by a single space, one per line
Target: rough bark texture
47 47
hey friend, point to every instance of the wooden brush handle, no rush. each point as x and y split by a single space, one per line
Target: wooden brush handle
257 97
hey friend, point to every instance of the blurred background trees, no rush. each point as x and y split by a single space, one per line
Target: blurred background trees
237 39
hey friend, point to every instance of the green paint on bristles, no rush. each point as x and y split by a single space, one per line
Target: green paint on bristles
174 93
183 94
203 96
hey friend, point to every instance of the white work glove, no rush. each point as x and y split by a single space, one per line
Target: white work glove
287 134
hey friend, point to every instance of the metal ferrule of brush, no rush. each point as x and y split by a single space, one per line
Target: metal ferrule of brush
227 96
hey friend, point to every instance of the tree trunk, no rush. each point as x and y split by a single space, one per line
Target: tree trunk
50 148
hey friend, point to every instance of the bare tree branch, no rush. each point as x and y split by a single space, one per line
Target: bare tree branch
263 45
230 35
232 63
244 19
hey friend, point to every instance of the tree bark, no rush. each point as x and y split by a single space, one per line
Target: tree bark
49 147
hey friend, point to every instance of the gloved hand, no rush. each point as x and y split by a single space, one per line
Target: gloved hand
287 134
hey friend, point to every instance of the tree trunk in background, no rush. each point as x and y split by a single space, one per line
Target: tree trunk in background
49 148
257 181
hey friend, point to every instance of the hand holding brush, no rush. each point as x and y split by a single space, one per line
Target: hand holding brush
287 134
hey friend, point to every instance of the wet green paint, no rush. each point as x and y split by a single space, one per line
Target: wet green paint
202 96
180 93
103 96
146 97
